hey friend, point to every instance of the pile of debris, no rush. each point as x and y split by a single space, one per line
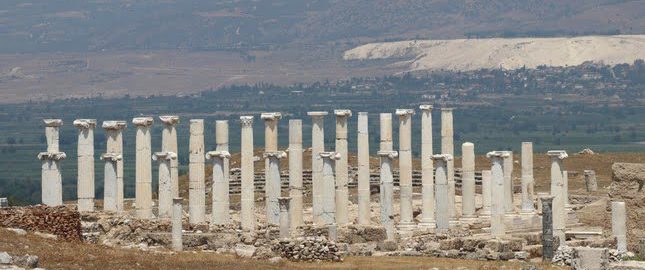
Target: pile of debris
17 262
62 221
308 249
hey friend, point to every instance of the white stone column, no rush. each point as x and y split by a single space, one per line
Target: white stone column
468 182
328 198
386 193
565 191
386 132
114 153
527 178
295 172
557 187
52 180
406 222
508 183
487 186
363 170
441 195
342 167
220 194
85 185
284 217
143 192
166 171
222 145
618 225
447 147
110 182
317 147
169 144
273 186
196 173
427 174
498 206
247 211
177 230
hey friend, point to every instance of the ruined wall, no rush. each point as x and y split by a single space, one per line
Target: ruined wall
627 185
63 221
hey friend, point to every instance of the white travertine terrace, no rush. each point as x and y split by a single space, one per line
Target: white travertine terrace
508 183
363 170
285 228
447 147
405 169
271 166
220 194
317 146
169 144
143 180
52 180
498 208
527 179
442 215
557 191
342 167
196 173
619 225
247 211
85 152
295 173
427 174
114 148
166 170
468 182
328 188
177 230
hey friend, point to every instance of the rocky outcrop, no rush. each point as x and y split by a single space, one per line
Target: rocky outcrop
627 185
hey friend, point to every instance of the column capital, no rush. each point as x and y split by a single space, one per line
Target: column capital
177 200
53 122
388 154
142 121
246 120
559 154
498 154
343 113
317 114
446 109
52 156
84 123
218 154
112 157
404 113
426 107
275 154
271 116
444 157
159 156
169 120
114 125
330 155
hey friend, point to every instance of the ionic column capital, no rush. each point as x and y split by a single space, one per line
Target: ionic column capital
159 156
82 124
330 155
498 154
276 154
317 114
388 154
114 125
218 154
443 157
169 120
53 122
271 116
343 113
404 113
143 121
559 154
246 120
52 156
426 107
112 157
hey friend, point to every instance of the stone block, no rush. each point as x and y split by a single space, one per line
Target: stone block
245 251
451 243
498 245
534 251
586 258
627 265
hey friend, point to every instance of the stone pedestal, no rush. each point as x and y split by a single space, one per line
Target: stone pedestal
272 188
166 170
169 144
441 187
196 173
557 191
497 192
247 212
114 160
342 167
508 183
468 182
143 180
387 192
220 193
284 217
547 228
590 181
447 147
618 225
487 187
427 174
317 147
85 185
327 198
406 223
52 180
177 230
363 170
527 179
295 172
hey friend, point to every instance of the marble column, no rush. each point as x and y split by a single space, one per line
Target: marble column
284 217
342 167
177 230
447 147
468 182
221 145
363 170
328 207
85 185
220 193
52 180
295 172
272 189
557 186
508 183
196 173
143 192
590 181
169 144
114 155
427 174
487 186
618 225
565 191
498 206
441 188
166 170
386 132
527 178
547 228
247 211
406 222
386 193
317 147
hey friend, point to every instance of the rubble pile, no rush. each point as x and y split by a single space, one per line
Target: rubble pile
7 261
62 221
308 249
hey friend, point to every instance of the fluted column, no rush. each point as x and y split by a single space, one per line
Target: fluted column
143 181
406 222
247 211
85 185
166 170
271 166
295 172
487 186
284 217
177 230
220 193
342 167
427 174
328 196
363 170
113 184
317 147
527 178
169 144
386 193
557 187
498 207
447 147
52 180
468 182
508 183
196 173
441 185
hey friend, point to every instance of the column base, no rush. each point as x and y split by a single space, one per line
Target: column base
528 212
428 225
407 226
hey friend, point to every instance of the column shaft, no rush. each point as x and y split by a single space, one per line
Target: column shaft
527 178
177 214
405 169
85 185
498 206
487 186
114 153
222 143
447 147
508 183
387 192
52 180
468 181
247 212
196 173
363 170
143 181
220 193
618 225
328 209
342 167
166 170
169 144
427 174
441 186
557 186
271 167
295 172
317 147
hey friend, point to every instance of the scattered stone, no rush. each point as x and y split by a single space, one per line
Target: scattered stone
627 265
26 261
586 151
275 260
308 249
17 231
245 251
46 235
5 258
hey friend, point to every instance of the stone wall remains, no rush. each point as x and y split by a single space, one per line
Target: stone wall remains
62 221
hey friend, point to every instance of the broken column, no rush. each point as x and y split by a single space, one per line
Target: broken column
85 185
222 201
166 170
557 186
363 169
328 190
427 174
547 228
342 167
386 193
113 184
196 173
295 172
442 215
498 205
527 179
177 230
284 217
468 182
590 181
406 222
220 193
272 185
618 225
487 186
169 144
565 191
247 211
317 146
447 147
52 180
508 183
143 180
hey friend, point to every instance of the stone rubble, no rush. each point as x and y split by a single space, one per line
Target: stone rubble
308 249
8 261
